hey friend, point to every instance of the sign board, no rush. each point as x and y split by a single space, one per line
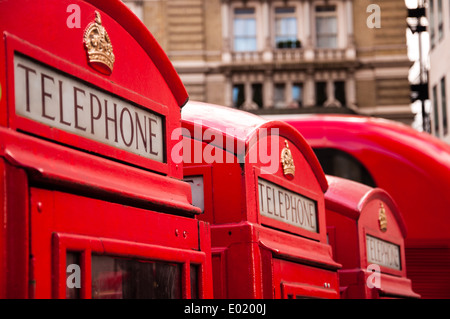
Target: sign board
382 253
286 206
58 100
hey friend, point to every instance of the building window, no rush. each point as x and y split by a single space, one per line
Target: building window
286 28
238 95
136 7
444 107
248 96
244 26
321 93
326 26
338 163
279 95
435 111
297 95
257 96
339 92
440 20
432 27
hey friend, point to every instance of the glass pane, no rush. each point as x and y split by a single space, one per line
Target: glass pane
325 8
242 11
435 109
244 44
73 275
197 190
279 95
238 95
244 34
337 163
321 93
194 281
117 278
244 27
444 106
284 10
257 94
297 94
326 25
327 41
339 92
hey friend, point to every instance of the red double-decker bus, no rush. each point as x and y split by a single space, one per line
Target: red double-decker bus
413 167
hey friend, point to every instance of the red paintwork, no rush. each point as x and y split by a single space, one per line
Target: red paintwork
61 191
352 213
255 256
414 168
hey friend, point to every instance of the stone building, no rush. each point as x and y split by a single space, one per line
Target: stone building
286 56
438 14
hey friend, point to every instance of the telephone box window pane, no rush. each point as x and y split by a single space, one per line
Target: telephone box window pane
73 275
194 281
197 190
118 278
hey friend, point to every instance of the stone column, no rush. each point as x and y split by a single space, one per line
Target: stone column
226 46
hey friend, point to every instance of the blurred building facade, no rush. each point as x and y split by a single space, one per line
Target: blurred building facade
438 14
286 56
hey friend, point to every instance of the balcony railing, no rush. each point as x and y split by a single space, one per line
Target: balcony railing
247 57
293 55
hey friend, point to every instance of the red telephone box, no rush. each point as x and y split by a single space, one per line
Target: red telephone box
262 189
367 233
91 204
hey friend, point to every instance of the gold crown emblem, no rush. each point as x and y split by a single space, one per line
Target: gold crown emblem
98 46
382 218
287 161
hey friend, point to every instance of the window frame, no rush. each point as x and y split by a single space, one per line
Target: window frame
326 14
282 16
86 246
246 17
443 103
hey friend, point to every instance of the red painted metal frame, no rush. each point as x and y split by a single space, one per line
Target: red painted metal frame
414 168
59 222
87 245
352 214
